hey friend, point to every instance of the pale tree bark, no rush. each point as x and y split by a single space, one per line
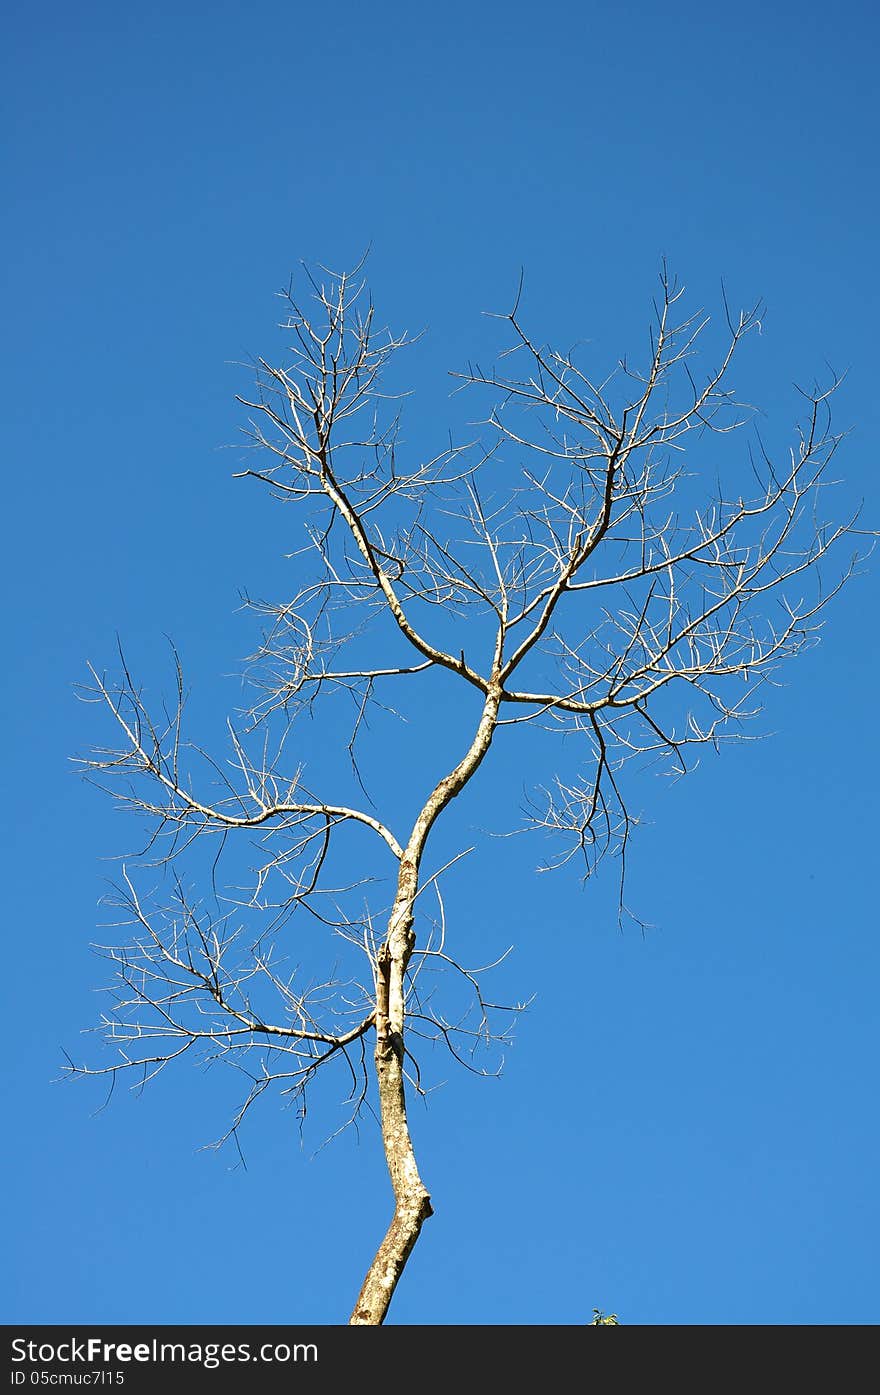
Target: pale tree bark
412 1202
582 598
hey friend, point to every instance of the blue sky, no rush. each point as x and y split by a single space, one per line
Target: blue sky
686 1127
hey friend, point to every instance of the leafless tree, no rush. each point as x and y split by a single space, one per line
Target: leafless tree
576 565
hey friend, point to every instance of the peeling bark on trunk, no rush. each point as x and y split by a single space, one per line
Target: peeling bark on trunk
411 1197
412 1202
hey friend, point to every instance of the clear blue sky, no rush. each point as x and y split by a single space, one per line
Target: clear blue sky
686 1130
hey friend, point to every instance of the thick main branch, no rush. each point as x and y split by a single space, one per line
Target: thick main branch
412 1200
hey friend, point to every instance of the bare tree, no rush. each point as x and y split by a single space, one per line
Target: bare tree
570 567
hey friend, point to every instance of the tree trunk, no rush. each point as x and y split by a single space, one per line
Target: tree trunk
412 1200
